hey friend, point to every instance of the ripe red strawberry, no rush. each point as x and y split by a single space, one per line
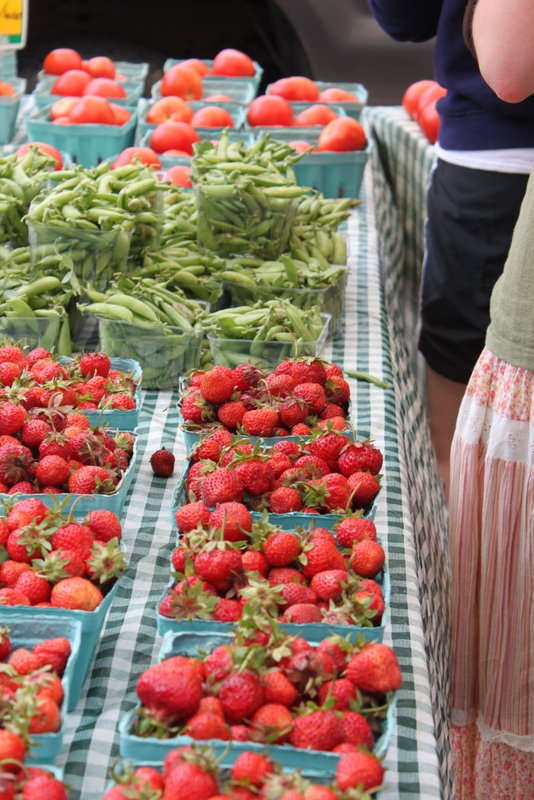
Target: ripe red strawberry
76 593
279 689
16 462
320 730
219 566
329 585
289 448
190 782
297 594
328 446
355 529
252 768
323 556
189 516
203 726
359 770
95 364
222 486
257 476
216 386
11 597
330 493
227 610
280 575
91 480
333 424
331 410
367 558
44 787
231 414
208 449
23 487
218 664
54 444
234 519
300 430
281 549
105 525
260 421
24 544
375 669
284 500
12 746
23 661
10 571
5 644
13 354
254 561
360 457
36 588
293 411
171 690
302 614
281 385
364 487
196 410
121 401
241 694
316 466
309 370
58 646
273 720
73 536
342 690
52 471
162 463
313 396
279 463
230 455
372 602
337 390
9 373
246 376
317 792
34 431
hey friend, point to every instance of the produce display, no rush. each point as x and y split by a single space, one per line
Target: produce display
95 109
298 88
196 766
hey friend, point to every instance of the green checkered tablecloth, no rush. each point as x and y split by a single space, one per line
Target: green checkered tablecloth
411 520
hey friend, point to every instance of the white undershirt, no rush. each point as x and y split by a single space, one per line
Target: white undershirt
519 160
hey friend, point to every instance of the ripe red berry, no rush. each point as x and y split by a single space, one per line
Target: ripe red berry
162 463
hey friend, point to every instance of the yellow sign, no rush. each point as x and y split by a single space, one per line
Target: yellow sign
10 17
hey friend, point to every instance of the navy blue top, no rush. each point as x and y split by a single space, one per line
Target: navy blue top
472 116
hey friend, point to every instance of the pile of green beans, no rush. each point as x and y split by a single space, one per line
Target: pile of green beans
21 179
245 196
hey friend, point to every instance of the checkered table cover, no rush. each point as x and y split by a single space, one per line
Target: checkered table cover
411 520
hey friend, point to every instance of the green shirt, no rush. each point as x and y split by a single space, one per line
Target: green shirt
511 331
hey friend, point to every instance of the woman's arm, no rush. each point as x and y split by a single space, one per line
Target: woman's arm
503 35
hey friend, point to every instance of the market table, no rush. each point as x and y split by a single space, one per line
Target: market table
411 519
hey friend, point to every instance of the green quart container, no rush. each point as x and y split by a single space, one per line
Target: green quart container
43 97
9 108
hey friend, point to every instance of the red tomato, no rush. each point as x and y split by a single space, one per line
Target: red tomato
182 82
122 115
144 154
270 110
174 136
429 122
300 146
43 147
196 64
180 153
179 176
104 87
6 90
169 108
63 107
343 133
62 121
296 88
100 67
315 115
212 117
94 110
59 61
71 83
218 98
335 95
412 94
233 63
427 97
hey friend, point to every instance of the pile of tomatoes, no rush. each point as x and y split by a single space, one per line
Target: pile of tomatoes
420 101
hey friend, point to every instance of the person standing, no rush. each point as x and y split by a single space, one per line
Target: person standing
485 152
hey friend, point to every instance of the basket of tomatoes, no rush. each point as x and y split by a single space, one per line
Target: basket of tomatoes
11 91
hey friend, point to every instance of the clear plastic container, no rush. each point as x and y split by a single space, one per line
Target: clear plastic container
96 255
32 332
164 352
267 355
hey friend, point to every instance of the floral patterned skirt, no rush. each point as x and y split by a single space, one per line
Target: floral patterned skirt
492 557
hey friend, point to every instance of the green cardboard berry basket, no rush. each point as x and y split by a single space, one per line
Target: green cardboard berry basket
236 110
43 97
9 108
152 749
352 108
26 631
206 81
87 145
125 69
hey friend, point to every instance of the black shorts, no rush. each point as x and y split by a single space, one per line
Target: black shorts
471 214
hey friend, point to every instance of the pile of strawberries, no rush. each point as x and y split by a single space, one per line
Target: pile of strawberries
39 380
193 772
18 781
51 560
227 567
325 473
272 688
31 687
300 394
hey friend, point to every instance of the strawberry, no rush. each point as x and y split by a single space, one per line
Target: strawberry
190 782
367 558
317 792
254 561
230 454
375 669
329 584
219 566
222 486
55 444
364 487
9 373
360 457
14 355
105 563
188 517
321 557
196 410
284 500
75 420
207 726
162 463
279 463
208 449
342 690
95 364
5 644
121 402
354 529
23 661
227 610
293 411
333 424
105 525
260 422
359 770
282 575
309 370
24 544
337 390
289 448
284 368
222 436
34 431
23 487
241 694
59 646
218 664
320 730
44 787
252 768
316 466
300 430
296 594
257 476
302 614
12 747
76 593
10 571
281 549
16 462
91 480
246 376
11 597
313 396
328 446
36 588
278 689
234 519
275 721
216 386
47 717
231 414
73 536
331 410
281 385
170 690
52 471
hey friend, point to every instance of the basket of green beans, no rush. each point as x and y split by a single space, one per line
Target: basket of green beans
245 196
265 333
